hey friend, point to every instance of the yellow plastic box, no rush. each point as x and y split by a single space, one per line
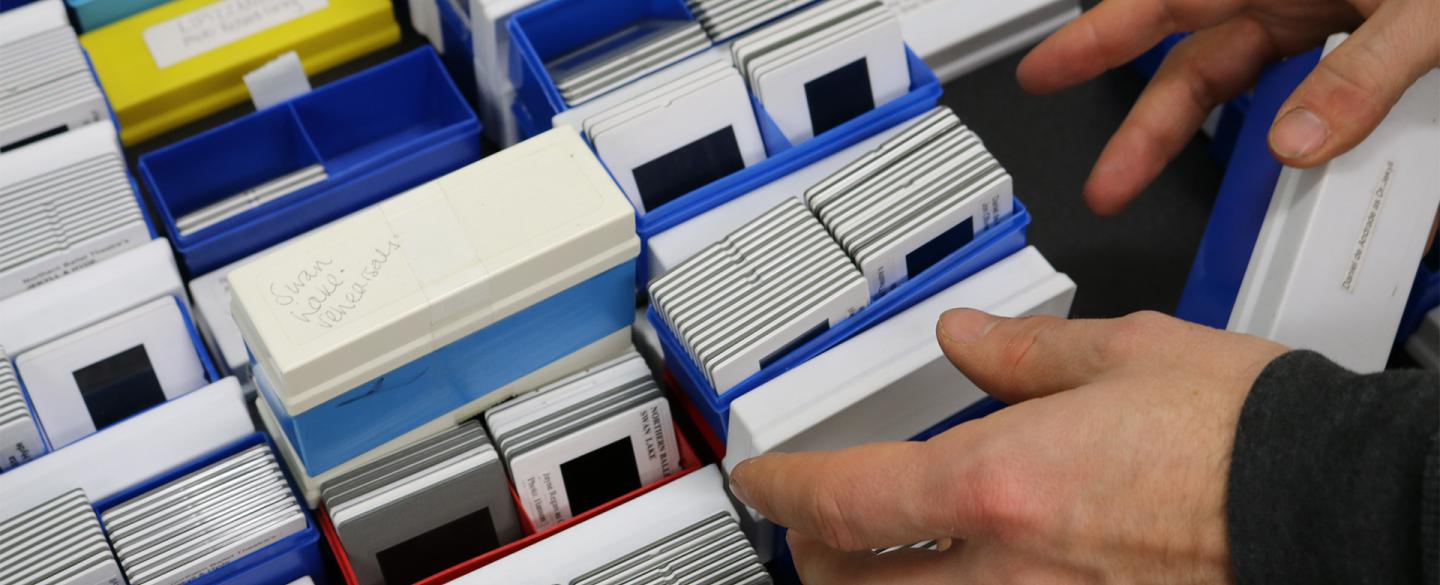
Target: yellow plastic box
186 59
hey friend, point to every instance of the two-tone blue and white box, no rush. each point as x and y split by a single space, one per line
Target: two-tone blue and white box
443 296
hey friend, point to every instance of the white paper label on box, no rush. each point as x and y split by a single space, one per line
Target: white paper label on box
1367 227
220 24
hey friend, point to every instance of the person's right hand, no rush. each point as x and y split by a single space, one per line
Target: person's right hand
1111 466
1342 101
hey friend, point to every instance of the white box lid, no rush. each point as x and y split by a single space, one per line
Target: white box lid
114 285
892 381
391 283
134 450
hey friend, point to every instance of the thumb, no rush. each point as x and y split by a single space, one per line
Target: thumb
1353 88
1026 358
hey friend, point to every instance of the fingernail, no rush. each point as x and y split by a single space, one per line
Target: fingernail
966 325
1298 134
736 487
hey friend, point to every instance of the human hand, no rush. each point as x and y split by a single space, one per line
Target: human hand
1110 467
1334 109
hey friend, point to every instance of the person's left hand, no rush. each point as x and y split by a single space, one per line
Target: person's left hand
1110 467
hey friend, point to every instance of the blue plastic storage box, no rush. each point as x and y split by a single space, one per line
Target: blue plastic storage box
283 561
377 133
9 4
553 28
550 29
208 364
988 247
459 52
784 158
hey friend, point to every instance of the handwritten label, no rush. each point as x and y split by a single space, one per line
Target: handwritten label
220 24
1367 227
326 291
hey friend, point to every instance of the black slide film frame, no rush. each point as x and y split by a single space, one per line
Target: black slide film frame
118 386
600 476
839 96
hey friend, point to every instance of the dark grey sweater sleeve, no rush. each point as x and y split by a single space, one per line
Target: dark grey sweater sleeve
1334 476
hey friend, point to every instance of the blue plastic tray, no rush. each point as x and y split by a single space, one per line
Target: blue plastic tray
1148 63
377 133
785 158
211 373
1424 295
1244 197
550 29
9 4
459 53
988 247
452 376
286 560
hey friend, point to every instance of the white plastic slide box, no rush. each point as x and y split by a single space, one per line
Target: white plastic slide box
1336 256
609 348
673 246
391 283
891 382
211 295
612 534
491 42
40 102
134 450
66 204
955 37
129 280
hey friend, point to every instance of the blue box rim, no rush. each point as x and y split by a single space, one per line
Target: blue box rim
309 537
185 244
521 46
924 89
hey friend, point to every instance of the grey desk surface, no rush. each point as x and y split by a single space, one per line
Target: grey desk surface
1136 260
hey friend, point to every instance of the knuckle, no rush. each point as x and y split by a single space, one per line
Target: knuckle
1352 82
1130 334
1001 497
1016 348
829 521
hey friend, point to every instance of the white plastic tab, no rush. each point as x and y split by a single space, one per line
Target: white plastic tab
425 17
276 81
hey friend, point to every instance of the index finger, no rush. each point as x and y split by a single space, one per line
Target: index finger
1113 33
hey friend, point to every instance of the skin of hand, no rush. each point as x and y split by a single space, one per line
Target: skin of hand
1393 43
1110 467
